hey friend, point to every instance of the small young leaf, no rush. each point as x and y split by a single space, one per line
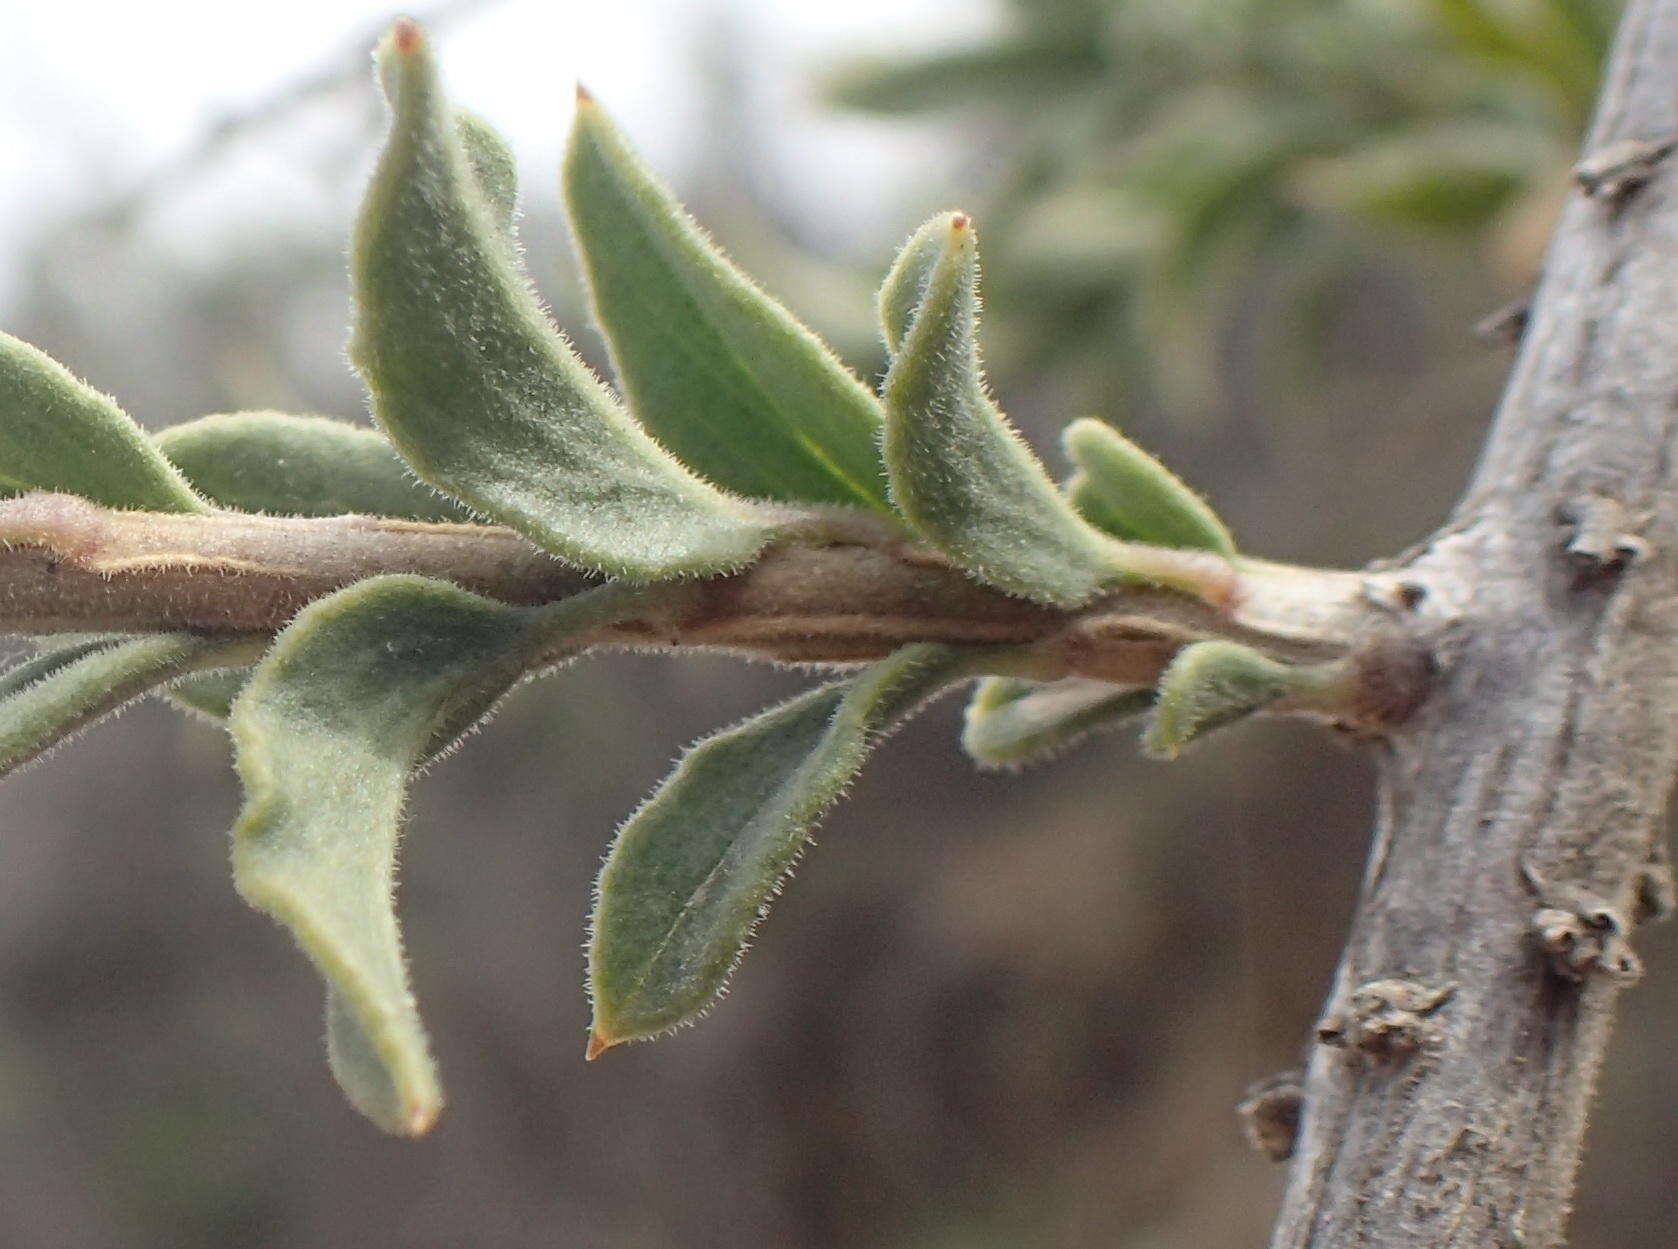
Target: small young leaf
695 868
58 433
362 686
968 483
1122 489
478 391
906 283
719 372
300 466
1211 684
52 696
1010 722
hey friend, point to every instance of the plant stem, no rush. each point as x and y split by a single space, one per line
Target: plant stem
1521 812
845 590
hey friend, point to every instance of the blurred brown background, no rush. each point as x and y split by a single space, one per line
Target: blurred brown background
991 1010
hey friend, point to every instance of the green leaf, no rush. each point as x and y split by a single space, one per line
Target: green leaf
361 687
720 373
300 466
495 168
1122 489
326 733
1212 684
481 394
1010 722
1026 68
968 483
211 694
1454 175
291 466
48 698
906 283
58 433
695 868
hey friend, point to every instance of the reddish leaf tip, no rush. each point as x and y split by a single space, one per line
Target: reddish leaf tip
405 35
584 95
422 1118
597 1045
959 222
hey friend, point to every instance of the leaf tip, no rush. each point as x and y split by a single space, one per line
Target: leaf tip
406 36
585 97
421 1116
598 1044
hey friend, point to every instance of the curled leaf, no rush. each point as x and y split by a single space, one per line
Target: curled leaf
966 481
1211 684
905 285
720 373
494 167
360 688
300 466
326 734
48 698
694 869
58 433
1122 489
479 392
1010 722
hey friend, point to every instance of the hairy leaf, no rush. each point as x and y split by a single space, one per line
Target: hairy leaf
1211 684
58 433
1011 722
292 466
719 372
695 868
1122 489
48 698
300 466
906 283
326 734
211 694
361 687
969 484
494 167
481 394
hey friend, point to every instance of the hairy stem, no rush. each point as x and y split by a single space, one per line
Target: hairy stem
845 589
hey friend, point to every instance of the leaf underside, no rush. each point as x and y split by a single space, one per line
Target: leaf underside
359 689
326 734
65 689
1213 684
1010 722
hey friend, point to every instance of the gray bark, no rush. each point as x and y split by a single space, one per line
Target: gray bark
1521 812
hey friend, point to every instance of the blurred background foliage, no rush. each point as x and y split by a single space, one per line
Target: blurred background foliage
991 1011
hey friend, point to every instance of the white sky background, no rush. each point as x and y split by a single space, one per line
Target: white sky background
94 96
